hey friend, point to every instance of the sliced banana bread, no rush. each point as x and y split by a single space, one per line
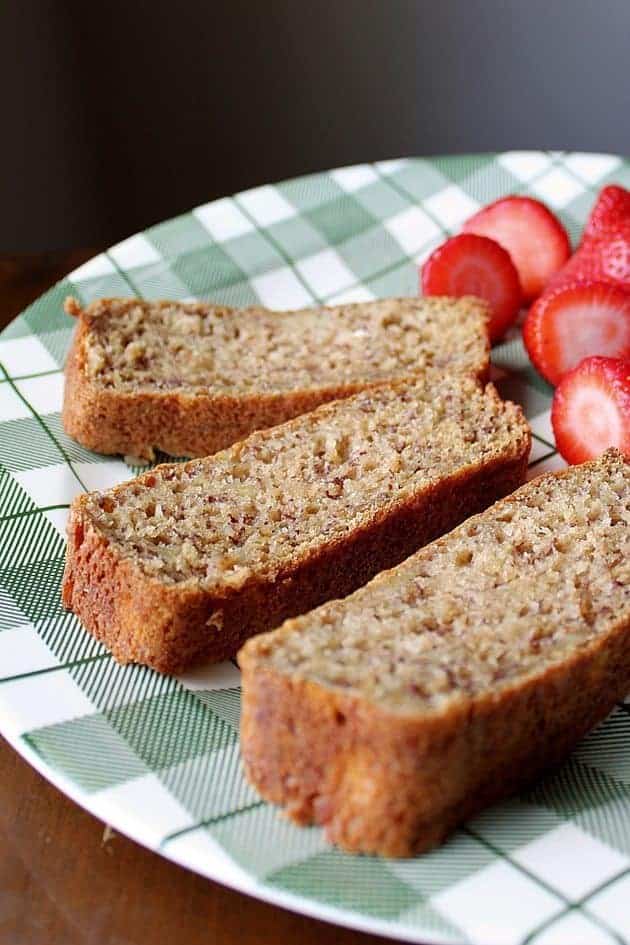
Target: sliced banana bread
187 561
191 379
453 679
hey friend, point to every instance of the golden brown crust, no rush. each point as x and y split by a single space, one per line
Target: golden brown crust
135 423
169 627
398 785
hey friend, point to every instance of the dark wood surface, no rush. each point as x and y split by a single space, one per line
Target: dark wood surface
67 880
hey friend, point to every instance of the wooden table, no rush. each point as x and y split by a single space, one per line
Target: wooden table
64 878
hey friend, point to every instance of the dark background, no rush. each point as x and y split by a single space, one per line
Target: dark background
120 114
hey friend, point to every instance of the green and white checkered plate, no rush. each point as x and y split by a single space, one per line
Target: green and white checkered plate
158 758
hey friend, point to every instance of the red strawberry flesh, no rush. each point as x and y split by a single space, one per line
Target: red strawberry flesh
533 236
474 265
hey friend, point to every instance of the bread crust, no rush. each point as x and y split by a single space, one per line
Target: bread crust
397 784
197 424
170 627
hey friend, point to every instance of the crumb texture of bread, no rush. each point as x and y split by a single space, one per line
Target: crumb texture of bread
226 546
192 378
455 678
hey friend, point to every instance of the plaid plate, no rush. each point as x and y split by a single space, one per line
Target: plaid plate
158 757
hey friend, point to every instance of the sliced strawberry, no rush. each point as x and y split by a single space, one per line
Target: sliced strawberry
565 326
591 409
610 216
532 235
474 265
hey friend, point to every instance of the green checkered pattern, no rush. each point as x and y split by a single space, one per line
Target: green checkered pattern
158 757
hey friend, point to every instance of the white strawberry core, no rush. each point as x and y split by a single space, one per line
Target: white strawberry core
595 418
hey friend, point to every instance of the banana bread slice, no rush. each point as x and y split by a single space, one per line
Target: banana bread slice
191 379
453 679
187 561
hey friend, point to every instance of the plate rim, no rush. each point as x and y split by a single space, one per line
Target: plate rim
240 880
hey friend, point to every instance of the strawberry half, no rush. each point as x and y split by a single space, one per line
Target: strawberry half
604 253
532 235
474 265
591 409
565 326
605 260
610 215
